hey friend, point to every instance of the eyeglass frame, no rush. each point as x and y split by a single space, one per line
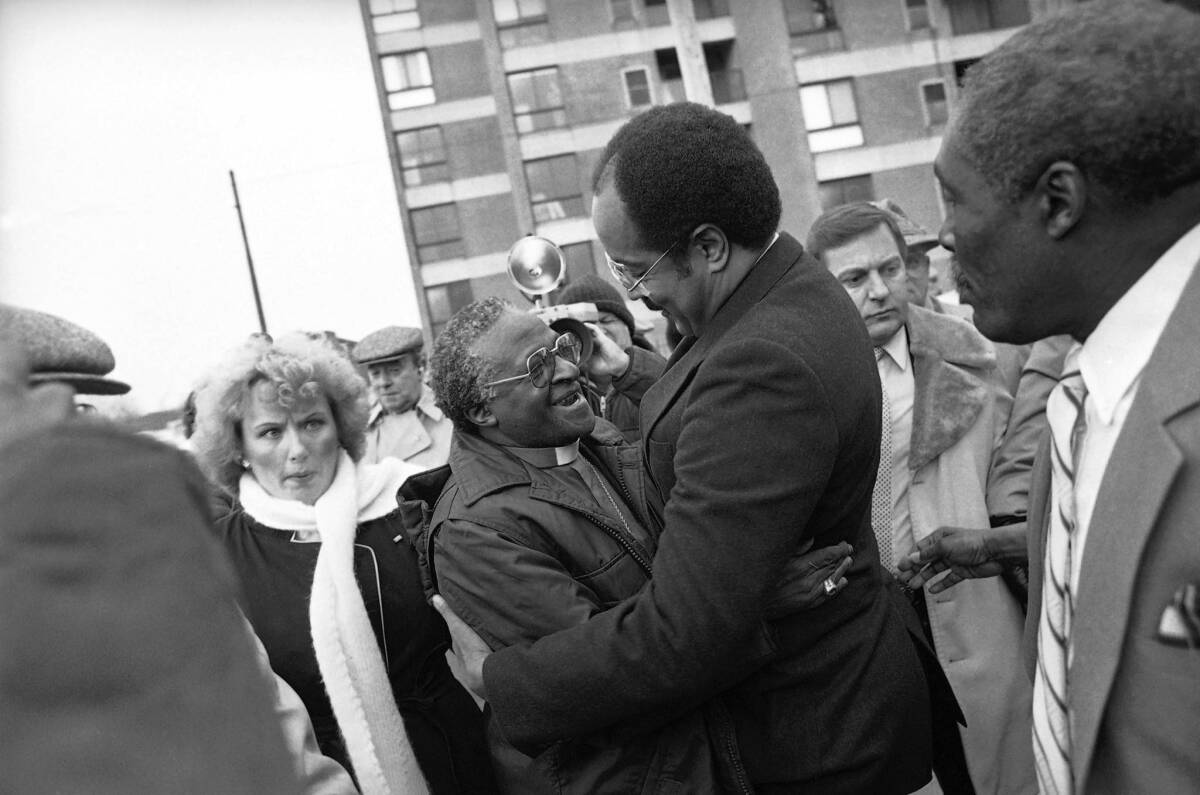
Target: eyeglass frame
615 267
551 355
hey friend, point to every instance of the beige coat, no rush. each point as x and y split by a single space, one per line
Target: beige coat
959 413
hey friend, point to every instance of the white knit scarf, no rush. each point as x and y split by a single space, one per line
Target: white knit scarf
347 653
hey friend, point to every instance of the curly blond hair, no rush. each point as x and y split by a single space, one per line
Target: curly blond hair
300 366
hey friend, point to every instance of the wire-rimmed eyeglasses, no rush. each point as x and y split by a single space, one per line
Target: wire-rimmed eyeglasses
540 364
621 272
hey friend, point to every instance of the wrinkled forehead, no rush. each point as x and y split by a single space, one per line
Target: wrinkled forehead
514 336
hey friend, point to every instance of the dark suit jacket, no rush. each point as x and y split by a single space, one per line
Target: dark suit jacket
761 436
1135 699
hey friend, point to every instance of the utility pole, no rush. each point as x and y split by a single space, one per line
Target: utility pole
262 321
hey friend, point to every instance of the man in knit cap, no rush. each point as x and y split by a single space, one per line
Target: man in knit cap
616 323
406 423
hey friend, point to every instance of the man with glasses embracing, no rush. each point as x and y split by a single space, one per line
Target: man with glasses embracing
539 527
761 440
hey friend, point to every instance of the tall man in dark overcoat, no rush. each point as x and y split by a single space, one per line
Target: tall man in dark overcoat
761 439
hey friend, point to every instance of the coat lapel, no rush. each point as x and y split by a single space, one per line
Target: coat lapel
691 351
949 392
1140 472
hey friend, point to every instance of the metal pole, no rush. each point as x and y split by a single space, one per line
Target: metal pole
262 321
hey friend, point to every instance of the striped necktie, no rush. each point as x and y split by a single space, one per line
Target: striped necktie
881 497
1051 717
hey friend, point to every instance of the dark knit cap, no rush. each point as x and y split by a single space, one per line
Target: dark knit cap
592 289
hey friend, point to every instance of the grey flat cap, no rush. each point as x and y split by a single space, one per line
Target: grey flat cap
915 235
60 350
388 343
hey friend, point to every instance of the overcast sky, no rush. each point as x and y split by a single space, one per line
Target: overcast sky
119 122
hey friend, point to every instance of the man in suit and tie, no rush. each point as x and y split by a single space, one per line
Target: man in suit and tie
1072 183
944 411
760 439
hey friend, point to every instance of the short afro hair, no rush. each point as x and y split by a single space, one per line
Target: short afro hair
1112 87
681 165
299 365
456 373
840 225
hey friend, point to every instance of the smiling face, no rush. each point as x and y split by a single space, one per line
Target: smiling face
872 271
292 451
520 414
680 293
397 382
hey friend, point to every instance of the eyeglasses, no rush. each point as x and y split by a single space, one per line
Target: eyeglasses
621 272
540 364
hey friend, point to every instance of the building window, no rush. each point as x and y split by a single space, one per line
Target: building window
580 261
390 15
537 100
836 192
554 188
437 233
422 156
831 116
637 87
917 12
622 10
521 22
444 300
933 97
407 79
807 16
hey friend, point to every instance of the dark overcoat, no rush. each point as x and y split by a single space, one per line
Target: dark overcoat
761 438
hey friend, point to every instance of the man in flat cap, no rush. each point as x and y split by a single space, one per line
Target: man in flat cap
60 351
406 423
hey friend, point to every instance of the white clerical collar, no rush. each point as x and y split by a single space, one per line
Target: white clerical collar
546 457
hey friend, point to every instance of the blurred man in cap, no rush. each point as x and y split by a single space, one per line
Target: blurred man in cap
406 424
59 351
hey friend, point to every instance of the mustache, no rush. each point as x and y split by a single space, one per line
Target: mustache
650 304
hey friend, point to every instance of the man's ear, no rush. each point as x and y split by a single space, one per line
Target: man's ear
1062 197
713 244
481 415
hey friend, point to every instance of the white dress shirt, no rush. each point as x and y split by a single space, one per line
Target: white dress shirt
895 375
1111 362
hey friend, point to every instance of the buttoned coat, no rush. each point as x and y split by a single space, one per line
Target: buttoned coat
1134 695
761 437
960 410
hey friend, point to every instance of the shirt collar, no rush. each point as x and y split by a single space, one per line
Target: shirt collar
427 405
1115 354
546 457
897 348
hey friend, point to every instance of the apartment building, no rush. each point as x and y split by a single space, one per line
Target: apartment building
496 110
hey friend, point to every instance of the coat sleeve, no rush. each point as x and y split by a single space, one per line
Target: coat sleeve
1012 466
507 590
758 442
645 368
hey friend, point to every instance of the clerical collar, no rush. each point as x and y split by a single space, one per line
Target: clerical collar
546 457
